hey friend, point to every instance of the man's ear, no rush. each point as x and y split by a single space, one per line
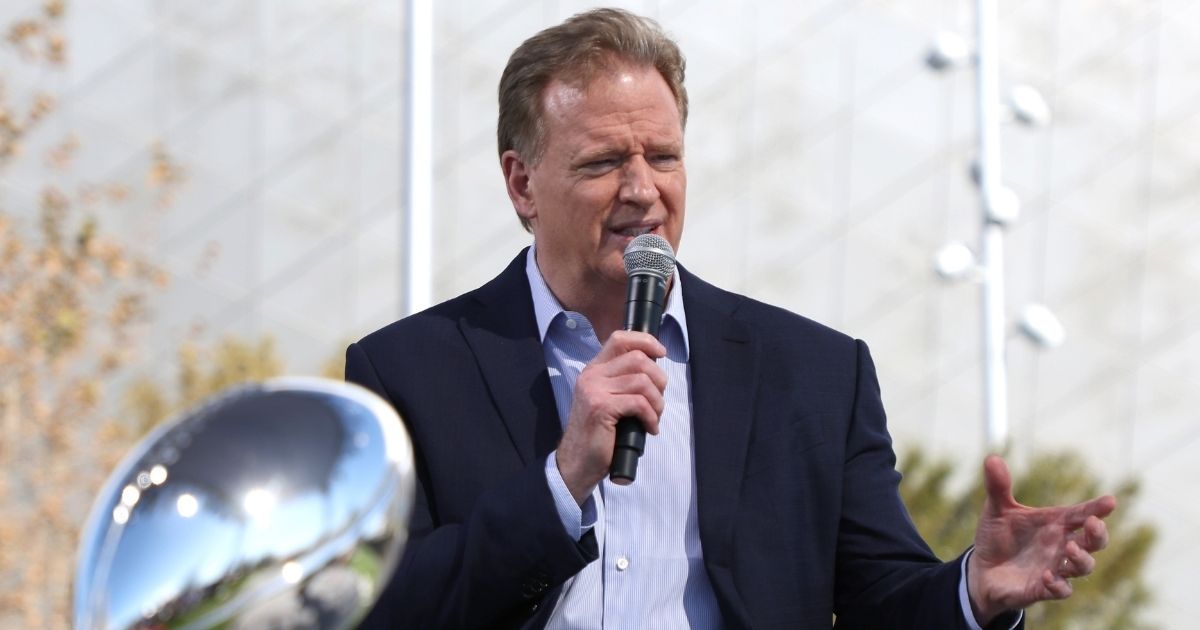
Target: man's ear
516 180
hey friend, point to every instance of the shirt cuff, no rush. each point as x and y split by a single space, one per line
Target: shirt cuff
964 598
576 519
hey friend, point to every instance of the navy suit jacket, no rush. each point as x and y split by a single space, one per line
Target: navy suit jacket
799 514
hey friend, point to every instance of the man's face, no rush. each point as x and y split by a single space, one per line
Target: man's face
611 168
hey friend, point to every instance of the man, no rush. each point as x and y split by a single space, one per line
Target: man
767 496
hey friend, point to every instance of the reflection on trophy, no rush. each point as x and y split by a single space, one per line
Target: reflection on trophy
280 505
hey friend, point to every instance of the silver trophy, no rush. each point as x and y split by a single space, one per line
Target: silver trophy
279 505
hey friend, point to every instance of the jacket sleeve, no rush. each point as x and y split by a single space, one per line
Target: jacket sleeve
493 569
887 577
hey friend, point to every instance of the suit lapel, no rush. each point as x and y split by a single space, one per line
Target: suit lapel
724 363
502 333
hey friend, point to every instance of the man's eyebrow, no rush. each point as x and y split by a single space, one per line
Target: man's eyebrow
593 153
669 146
604 150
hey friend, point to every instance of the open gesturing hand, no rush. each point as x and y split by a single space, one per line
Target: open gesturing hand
1025 555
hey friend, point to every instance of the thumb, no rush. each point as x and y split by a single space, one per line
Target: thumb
998 482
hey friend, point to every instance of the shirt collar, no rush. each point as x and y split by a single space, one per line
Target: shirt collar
546 306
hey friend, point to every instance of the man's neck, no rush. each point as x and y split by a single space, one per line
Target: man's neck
602 305
599 299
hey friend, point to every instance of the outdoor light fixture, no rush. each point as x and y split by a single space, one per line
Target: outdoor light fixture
1000 207
1004 207
955 261
948 51
1028 106
1041 326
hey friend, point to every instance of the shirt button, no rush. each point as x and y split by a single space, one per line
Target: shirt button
622 563
572 324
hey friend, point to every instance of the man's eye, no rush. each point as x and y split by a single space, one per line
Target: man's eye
664 159
602 165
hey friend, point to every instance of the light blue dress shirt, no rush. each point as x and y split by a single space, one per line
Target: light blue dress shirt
650 573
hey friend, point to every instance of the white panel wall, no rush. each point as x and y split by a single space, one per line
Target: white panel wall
827 164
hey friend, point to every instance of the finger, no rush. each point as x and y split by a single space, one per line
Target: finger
1078 562
998 482
1056 586
1079 513
639 385
622 341
1095 534
634 362
637 406
605 399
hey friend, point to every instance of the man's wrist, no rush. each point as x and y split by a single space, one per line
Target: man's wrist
971 598
581 489
974 595
576 518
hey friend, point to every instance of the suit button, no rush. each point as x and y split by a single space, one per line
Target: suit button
533 607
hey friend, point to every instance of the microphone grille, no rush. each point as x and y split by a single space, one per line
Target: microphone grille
649 253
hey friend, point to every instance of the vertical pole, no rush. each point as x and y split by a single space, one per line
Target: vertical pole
992 236
418 157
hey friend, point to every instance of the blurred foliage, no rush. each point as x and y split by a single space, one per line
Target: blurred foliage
335 366
201 373
72 300
1114 597
39 37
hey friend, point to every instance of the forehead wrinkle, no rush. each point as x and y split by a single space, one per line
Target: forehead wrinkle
628 124
560 97
566 109
624 137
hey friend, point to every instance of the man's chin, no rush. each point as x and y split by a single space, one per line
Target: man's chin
613 267
610 277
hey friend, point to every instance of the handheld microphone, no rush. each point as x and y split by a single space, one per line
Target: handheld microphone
649 263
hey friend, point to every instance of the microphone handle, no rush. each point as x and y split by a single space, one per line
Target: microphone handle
645 300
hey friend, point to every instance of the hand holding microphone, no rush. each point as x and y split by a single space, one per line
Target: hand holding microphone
649 263
618 396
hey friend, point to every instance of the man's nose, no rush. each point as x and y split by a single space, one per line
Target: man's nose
637 183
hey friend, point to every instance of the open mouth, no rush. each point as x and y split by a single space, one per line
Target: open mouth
636 230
